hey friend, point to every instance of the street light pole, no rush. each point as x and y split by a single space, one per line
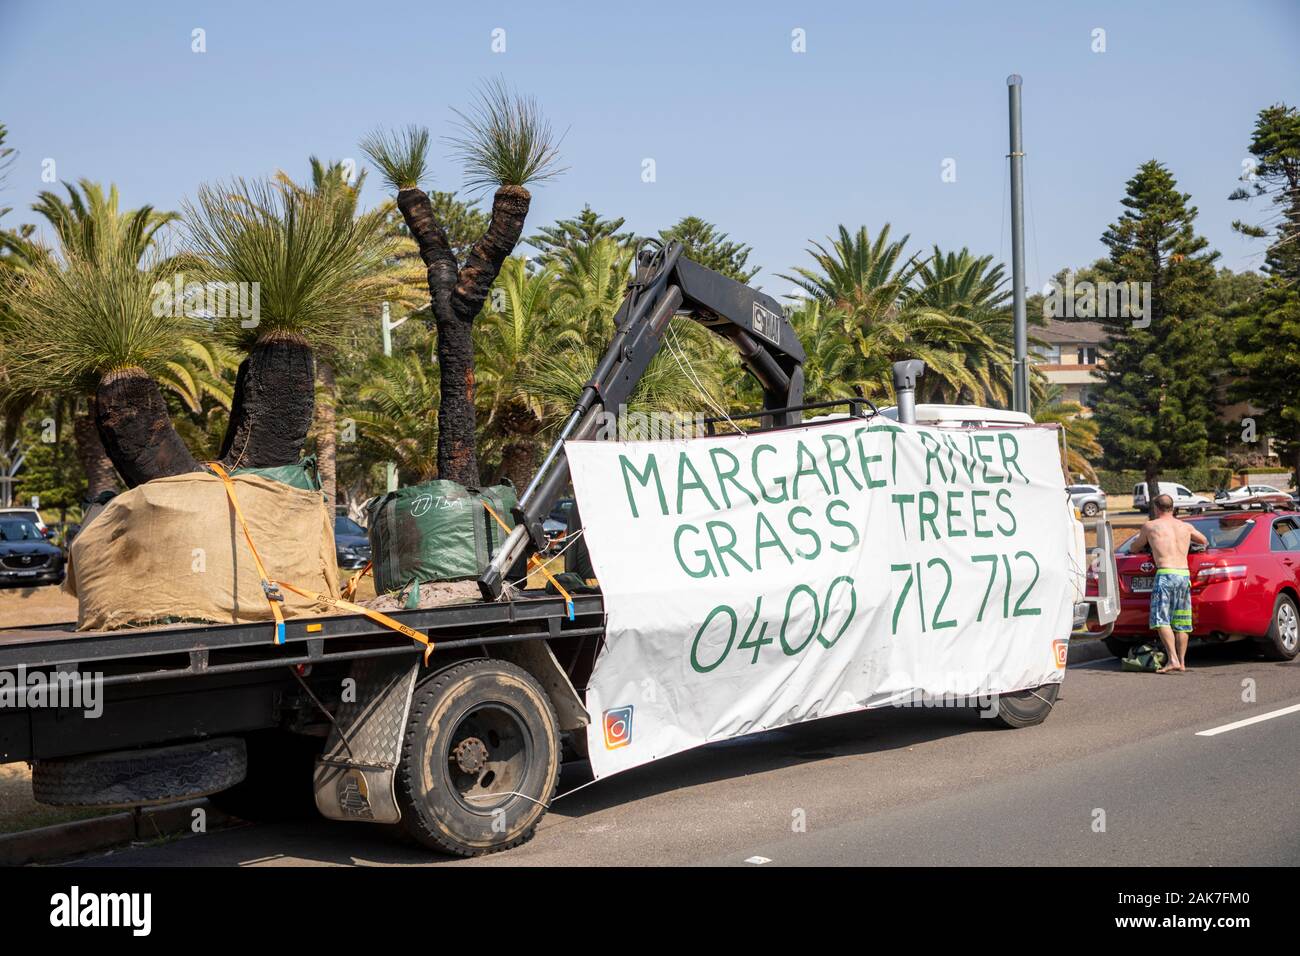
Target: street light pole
387 325
1020 381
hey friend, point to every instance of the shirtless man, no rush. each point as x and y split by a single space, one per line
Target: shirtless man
1171 597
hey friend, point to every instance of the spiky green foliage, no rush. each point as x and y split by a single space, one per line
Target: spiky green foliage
312 262
83 318
89 223
505 140
1080 430
401 155
394 402
872 285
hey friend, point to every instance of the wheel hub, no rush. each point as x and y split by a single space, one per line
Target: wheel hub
471 755
1288 626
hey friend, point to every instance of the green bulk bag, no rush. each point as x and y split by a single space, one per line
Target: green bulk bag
302 475
435 531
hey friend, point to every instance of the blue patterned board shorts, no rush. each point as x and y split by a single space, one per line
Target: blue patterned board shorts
1171 600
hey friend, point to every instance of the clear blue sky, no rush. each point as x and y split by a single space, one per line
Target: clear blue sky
775 147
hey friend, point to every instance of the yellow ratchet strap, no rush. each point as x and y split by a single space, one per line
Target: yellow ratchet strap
275 598
350 589
269 588
537 562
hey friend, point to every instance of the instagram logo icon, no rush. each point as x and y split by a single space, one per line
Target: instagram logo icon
618 727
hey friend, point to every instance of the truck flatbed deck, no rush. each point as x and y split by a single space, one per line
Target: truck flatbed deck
533 614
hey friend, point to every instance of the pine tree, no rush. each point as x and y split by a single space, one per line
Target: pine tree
1275 176
583 229
1158 407
1267 359
702 243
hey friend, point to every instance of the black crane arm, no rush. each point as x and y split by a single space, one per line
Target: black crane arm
666 284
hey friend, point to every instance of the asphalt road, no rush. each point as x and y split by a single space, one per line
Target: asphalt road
913 787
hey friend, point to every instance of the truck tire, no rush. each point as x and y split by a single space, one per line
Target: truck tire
278 784
480 759
1119 646
1026 708
1283 640
138 778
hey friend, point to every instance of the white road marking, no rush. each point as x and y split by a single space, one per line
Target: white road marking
758 860
1215 731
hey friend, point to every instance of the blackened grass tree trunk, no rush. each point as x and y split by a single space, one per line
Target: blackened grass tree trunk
135 428
504 142
273 405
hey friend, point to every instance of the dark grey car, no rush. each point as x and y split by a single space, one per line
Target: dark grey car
27 559
351 543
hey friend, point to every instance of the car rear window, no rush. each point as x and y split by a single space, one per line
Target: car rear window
1224 532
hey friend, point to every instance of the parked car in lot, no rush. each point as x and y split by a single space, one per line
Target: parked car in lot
351 543
27 559
556 525
1184 500
1245 584
1254 496
1088 499
31 514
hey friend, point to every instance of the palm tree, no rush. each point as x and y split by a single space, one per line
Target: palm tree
591 280
395 410
505 143
90 322
1080 430
311 265
871 284
972 287
831 361
510 342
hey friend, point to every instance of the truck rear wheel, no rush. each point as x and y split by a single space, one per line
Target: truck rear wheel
480 759
1026 708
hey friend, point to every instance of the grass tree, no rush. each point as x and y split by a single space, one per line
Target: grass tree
504 142
88 320
90 323
307 264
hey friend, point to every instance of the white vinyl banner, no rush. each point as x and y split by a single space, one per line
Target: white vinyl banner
755 581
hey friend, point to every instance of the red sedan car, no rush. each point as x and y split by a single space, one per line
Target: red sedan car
1245 584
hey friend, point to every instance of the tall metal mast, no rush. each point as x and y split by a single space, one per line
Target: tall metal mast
1020 383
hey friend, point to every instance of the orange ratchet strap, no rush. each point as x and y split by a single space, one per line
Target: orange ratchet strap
275 598
350 589
537 562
